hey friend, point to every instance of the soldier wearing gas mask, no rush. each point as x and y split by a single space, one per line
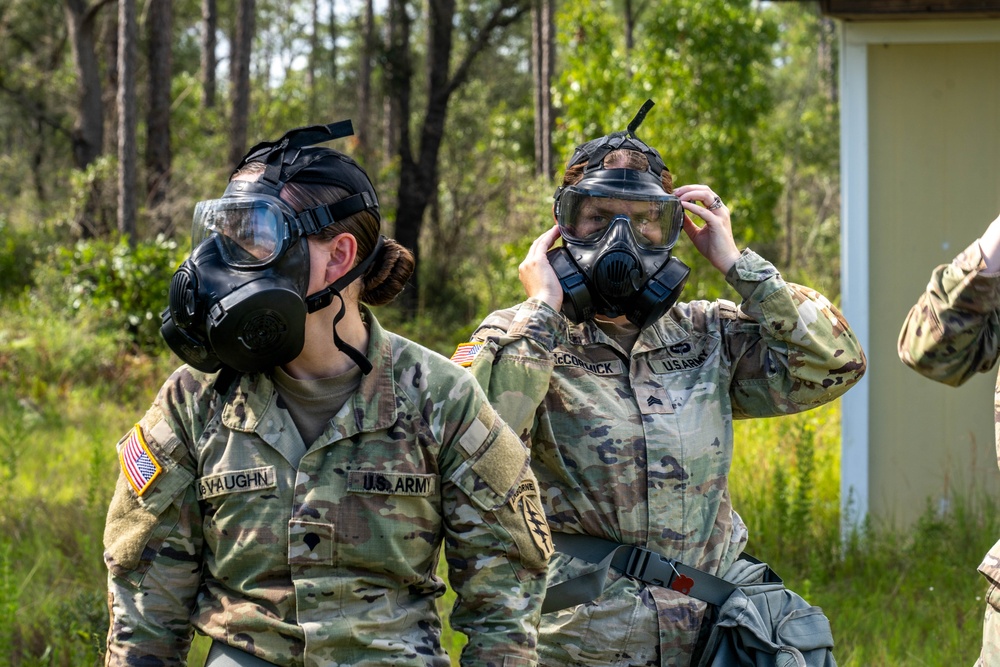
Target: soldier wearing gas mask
290 491
626 397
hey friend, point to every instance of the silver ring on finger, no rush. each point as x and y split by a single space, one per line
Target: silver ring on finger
716 203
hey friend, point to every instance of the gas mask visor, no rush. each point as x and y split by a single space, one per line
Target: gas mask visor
586 210
252 231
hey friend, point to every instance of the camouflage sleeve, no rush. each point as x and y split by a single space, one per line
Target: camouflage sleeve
953 331
497 542
790 348
515 364
152 543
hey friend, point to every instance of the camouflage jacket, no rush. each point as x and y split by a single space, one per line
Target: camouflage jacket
637 447
224 521
953 332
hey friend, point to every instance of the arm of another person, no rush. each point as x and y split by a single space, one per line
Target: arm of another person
153 553
515 364
790 348
497 542
953 330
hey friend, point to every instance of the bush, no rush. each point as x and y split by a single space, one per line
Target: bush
18 254
124 286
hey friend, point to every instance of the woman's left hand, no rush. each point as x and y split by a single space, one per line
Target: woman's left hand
714 240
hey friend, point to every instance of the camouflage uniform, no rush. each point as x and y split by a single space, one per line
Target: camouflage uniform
950 334
327 555
637 447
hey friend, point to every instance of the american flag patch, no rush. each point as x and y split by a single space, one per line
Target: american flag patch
138 463
465 353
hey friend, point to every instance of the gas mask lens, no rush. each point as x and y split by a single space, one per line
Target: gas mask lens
251 231
655 221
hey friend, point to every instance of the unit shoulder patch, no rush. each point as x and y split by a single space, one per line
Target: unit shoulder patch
138 463
525 498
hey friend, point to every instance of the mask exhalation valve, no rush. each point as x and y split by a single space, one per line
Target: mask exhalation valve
616 274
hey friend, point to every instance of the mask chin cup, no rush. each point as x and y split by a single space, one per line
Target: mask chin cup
659 294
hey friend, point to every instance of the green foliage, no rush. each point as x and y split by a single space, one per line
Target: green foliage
894 596
18 254
912 597
785 485
125 286
803 133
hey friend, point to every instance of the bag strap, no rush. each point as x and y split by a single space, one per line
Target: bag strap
635 562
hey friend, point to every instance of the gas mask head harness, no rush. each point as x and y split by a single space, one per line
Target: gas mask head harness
239 301
618 227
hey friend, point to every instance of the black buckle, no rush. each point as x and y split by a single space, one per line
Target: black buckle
650 567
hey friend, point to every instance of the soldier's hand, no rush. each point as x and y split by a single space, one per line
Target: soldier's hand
536 273
714 240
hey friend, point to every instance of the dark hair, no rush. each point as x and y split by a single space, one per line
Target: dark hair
622 158
386 277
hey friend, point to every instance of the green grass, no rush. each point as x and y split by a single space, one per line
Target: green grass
894 598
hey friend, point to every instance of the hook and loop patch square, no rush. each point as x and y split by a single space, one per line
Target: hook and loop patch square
138 463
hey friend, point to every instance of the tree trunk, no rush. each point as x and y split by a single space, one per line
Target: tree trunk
126 118
158 156
537 8
418 175
398 72
364 123
827 63
240 74
87 134
548 71
210 19
88 126
630 19
312 64
542 68
334 32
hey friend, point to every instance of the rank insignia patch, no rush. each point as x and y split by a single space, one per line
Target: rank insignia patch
138 463
465 353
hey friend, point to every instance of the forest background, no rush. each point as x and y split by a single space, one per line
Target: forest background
116 117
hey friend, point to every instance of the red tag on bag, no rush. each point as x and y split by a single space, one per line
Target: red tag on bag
682 584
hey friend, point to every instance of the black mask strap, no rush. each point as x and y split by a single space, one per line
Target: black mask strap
639 117
325 297
272 153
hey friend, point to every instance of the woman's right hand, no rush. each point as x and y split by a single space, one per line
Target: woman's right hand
536 273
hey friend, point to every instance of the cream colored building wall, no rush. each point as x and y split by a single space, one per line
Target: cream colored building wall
933 184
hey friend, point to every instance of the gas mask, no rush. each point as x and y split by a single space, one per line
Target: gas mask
619 227
239 301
